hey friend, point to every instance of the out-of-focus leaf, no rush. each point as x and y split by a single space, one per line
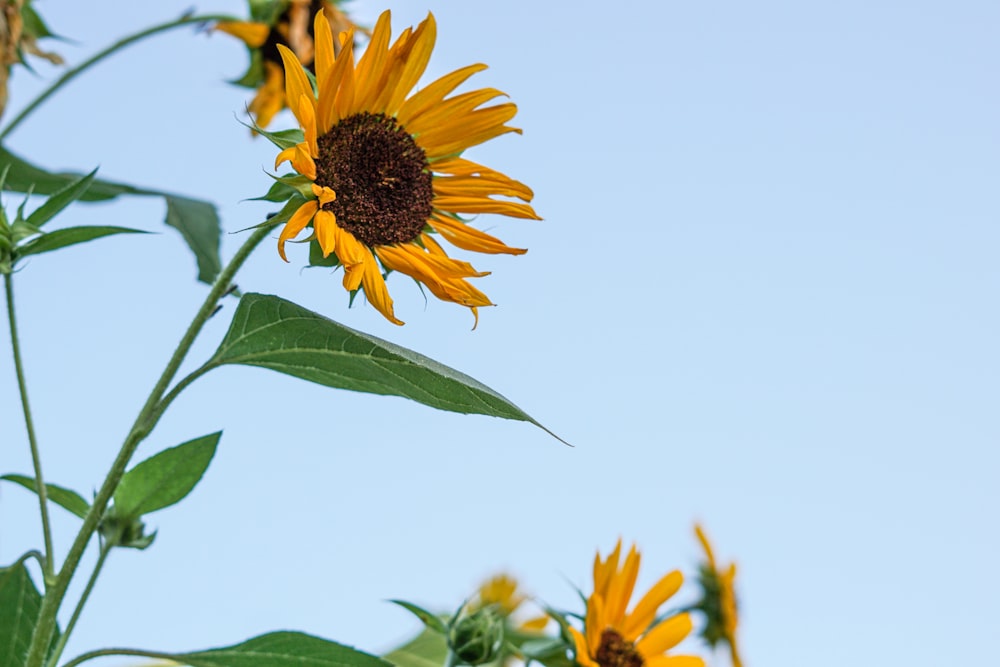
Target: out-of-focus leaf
428 649
429 619
198 223
69 500
61 199
196 220
61 238
282 649
20 603
270 332
164 479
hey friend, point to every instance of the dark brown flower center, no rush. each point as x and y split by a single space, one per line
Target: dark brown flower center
615 651
381 178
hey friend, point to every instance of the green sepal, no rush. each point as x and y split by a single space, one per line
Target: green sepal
129 533
254 76
282 138
65 498
61 199
430 620
278 192
286 212
22 229
316 258
62 238
297 182
164 479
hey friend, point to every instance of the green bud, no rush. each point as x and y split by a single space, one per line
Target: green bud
477 638
123 532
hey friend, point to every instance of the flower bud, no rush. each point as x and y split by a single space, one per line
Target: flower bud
477 638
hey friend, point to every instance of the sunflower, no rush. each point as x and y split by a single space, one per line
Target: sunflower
718 601
285 22
503 592
613 637
384 169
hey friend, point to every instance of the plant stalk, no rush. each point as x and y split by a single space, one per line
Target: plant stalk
48 566
144 423
61 644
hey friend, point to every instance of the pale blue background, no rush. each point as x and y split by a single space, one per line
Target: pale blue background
764 295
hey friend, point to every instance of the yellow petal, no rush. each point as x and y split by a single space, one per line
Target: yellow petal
249 32
594 623
300 159
375 289
605 570
451 109
676 661
665 635
422 45
645 610
703 538
325 225
324 47
620 589
270 97
484 205
296 224
580 649
370 65
324 194
435 92
331 86
296 82
307 112
462 236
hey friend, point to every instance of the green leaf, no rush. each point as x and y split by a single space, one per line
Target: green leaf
198 223
269 332
428 649
282 649
20 603
278 192
69 500
61 199
164 479
61 238
429 619
317 259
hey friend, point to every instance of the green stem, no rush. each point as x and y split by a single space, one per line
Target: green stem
48 568
84 657
61 644
96 58
144 423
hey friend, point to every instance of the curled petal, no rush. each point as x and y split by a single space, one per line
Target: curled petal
296 224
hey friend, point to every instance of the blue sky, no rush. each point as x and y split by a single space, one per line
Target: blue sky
763 296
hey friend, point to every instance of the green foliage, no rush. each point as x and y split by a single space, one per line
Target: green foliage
61 199
428 649
282 649
20 603
68 500
164 479
430 620
196 220
270 332
61 238
198 223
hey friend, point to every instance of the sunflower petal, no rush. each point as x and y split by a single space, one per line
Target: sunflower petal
251 33
430 96
416 63
375 289
665 635
645 610
462 236
324 47
296 224
485 205
675 661
296 82
369 68
325 225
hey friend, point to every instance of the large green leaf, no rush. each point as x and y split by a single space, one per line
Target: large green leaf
196 220
269 332
428 649
282 649
19 606
69 500
60 238
164 479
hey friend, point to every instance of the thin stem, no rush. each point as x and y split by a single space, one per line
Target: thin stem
61 644
101 55
144 423
48 568
90 655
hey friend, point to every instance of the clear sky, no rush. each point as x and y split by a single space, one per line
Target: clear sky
764 296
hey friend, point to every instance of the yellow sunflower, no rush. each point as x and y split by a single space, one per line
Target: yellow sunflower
285 22
503 592
718 601
385 169
615 637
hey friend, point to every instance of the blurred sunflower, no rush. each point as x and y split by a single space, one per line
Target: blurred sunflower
384 169
274 22
613 637
718 601
503 592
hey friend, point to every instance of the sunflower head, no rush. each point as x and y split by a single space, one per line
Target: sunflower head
279 22
718 600
613 635
379 171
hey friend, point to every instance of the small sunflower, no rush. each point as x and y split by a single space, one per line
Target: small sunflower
615 637
503 592
285 22
718 601
384 169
